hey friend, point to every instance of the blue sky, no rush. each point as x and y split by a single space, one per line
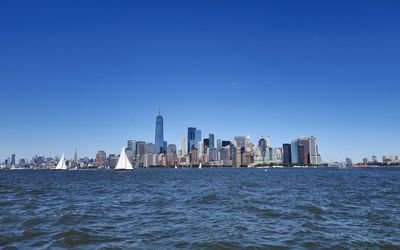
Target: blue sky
92 74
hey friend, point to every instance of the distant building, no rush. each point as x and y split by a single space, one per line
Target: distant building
238 156
191 136
159 135
101 158
300 155
184 145
390 159
171 149
240 141
150 148
112 160
76 159
287 154
219 144
197 136
132 148
206 142
310 150
165 145
268 142
13 159
211 139
248 144
140 151
262 145
149 160
213 154
294 151
365 161
224 153
225 143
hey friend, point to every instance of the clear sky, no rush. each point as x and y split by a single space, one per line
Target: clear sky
92 74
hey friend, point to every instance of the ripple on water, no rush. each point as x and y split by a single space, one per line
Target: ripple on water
33 222
312 209
81 237
209 198
265 212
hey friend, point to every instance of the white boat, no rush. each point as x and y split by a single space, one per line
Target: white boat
200 166
61 164
123 162
176 166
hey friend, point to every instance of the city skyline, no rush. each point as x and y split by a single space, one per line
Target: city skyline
304 148
89 77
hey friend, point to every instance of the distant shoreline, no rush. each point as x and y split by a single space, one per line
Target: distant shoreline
225 167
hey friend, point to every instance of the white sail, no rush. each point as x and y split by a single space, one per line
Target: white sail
61 164
200 166
123 162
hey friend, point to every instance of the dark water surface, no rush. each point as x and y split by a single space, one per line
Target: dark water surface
201 209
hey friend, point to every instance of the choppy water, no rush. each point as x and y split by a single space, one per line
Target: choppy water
201 209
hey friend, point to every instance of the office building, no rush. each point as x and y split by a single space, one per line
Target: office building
300 155
294 151
240 141
184 145
101 158
191 136
287 154
13 159
159 135
262 145
211 139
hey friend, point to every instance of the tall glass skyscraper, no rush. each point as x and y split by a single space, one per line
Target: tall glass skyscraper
191 136
159 136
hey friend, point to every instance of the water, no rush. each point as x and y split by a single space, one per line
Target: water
201 209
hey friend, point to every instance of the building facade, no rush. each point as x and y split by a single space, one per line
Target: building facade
159 135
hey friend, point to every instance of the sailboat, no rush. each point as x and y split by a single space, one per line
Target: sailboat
176 166
61 164
200 166
123 162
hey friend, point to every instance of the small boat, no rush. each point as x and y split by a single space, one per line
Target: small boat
176 166
123 162
61 164
200 167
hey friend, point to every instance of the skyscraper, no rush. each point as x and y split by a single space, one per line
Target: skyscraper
140 151
262 145
287 154
13 159
268 142
294 150
101 158
164 148
240 141
159 135
191 139
131 149
184 145
219 144
300 155
310 150
211 140
197 136
149 148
